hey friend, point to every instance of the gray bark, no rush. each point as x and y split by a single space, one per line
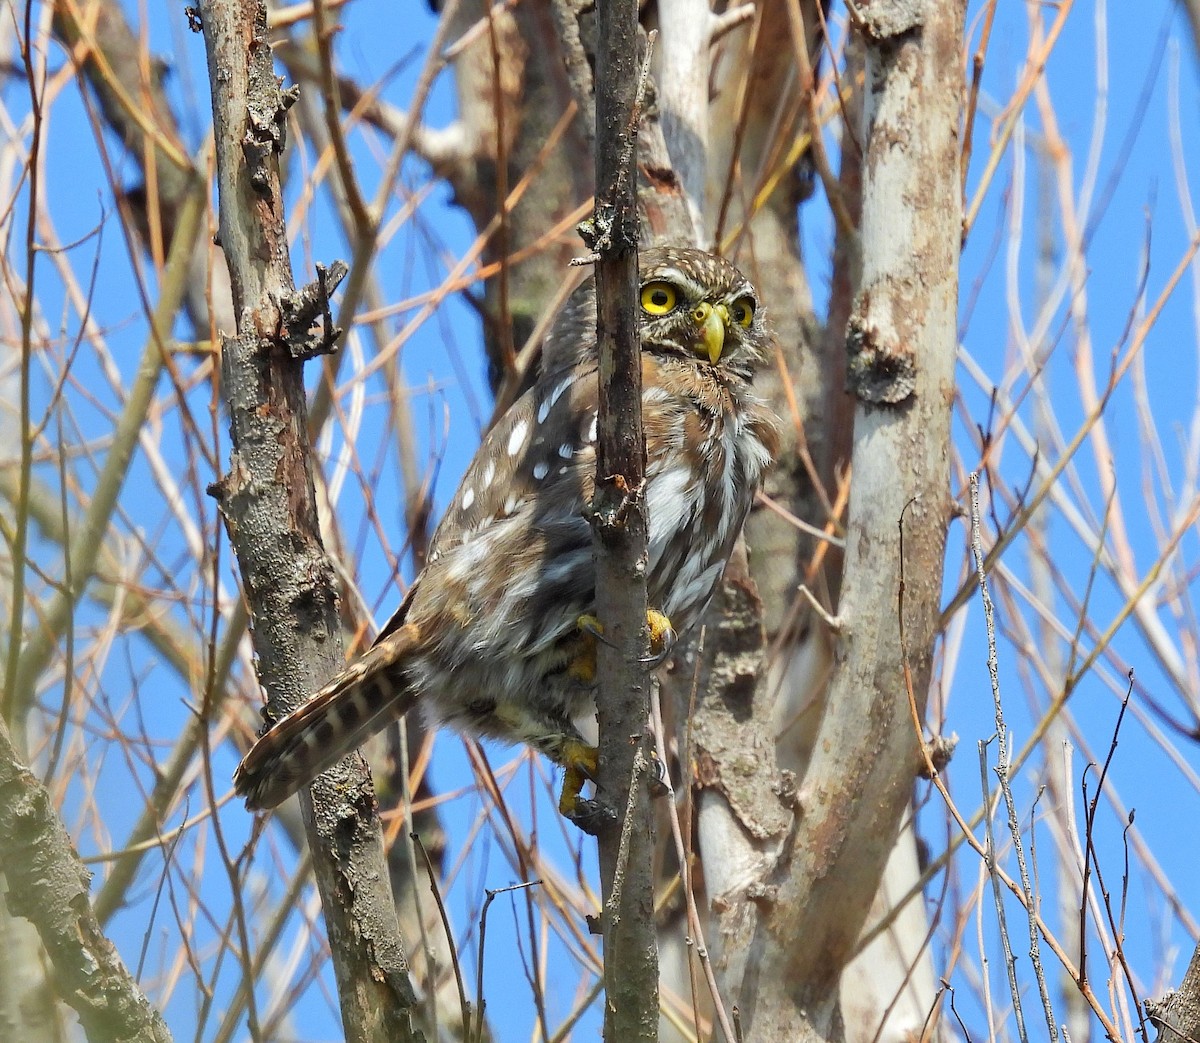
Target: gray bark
48 886
902 347
626 844
268 501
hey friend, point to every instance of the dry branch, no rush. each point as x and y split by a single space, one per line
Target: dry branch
48 885
619 522
268 502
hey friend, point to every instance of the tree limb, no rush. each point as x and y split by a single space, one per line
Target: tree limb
619 522
902 342
48 885
268 502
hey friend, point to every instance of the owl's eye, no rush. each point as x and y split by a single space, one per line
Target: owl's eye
742 311
658 298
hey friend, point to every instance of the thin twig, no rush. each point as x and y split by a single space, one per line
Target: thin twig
491 897
1002 771
991 863
464 1003
695 924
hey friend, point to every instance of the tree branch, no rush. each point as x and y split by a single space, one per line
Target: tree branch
902 342
619 523
268 502
48 885
1177 1017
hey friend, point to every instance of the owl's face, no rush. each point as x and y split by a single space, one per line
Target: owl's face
699 307
695 307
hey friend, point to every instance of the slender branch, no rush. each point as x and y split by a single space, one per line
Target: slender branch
92 528
1003 769
619 523
991 864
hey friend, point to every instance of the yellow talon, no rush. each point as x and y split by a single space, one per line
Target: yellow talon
580 761
662 634
589 624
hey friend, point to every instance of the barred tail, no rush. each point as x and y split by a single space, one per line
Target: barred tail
362 700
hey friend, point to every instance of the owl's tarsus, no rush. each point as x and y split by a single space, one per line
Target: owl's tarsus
580 761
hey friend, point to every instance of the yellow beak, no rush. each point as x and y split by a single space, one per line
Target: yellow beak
712 322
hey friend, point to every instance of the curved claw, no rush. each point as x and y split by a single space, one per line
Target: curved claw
662 635
662 638
592 815
589 624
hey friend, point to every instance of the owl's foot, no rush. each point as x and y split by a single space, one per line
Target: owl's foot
592 815
580 760
662 635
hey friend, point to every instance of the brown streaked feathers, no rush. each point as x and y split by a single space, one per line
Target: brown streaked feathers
488 640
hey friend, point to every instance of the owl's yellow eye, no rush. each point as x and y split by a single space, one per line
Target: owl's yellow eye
658 298
742 311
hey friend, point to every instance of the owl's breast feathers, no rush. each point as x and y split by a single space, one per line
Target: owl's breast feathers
710 443
513 555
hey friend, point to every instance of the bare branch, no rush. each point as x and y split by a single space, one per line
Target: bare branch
268 502
904 336
48 885
619 523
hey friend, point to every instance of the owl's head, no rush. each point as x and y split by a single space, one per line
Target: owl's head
697 306
694 305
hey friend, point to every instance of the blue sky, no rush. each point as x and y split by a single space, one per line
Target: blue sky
1121 91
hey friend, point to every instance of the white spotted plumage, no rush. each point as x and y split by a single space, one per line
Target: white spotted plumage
516 440
488 639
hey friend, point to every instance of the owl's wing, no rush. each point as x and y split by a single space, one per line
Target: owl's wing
533 473
539 458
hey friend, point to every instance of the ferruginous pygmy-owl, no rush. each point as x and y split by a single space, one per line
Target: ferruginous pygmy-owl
492 638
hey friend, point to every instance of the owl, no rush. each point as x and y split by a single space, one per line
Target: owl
496 636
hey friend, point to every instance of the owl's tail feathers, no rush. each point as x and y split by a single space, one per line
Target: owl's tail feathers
364 698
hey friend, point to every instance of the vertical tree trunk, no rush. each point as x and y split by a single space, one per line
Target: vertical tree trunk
618 515
268 502
902 343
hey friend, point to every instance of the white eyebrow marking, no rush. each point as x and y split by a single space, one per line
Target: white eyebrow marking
566 450
489 473
468 499
540 470
517 438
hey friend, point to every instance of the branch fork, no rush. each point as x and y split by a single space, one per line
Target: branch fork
300 310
